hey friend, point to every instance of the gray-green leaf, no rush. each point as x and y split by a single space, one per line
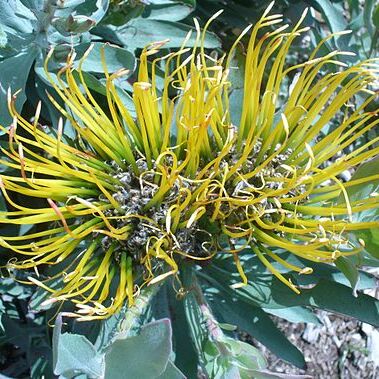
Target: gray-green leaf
171 372
140 32
17 17
116 58
73 354
144 356
14 74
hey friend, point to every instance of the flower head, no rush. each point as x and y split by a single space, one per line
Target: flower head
134 198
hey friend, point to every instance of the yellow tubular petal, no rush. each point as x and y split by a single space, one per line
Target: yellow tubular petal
193 179
273 270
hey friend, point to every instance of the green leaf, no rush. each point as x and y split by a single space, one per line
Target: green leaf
294 314
220 356
266 290
121 15
237 78
368 15
364 190
3 38
17 332
10 286
375 17
14 73
261 285
338 298
70 3
235 105
247 355
197 324
108 330
227 327
332 296
251 363
94 10
230 358
16 43
92 83
49 111
171 372
326 295
329 272
79 24
333 16
73 354
116 58
15 16
371 240
168 11
349 270
40 368
369 237
258 324
140 32
144 356
124 323
185 354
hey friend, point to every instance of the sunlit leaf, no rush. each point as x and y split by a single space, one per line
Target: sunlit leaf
144 356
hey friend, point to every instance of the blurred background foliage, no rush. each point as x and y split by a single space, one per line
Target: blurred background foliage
166 335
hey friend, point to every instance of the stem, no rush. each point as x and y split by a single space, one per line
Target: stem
215 332
133 314
128 318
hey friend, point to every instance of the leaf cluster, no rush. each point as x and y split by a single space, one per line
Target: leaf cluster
170 334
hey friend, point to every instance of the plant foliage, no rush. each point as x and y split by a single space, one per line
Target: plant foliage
173 196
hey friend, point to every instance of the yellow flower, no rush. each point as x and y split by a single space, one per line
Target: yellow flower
133 199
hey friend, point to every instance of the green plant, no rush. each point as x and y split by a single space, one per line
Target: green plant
30 28
213 206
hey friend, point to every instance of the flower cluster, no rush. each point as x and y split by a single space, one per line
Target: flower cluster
134 198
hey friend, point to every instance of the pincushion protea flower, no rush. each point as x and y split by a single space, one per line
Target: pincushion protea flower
135 199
